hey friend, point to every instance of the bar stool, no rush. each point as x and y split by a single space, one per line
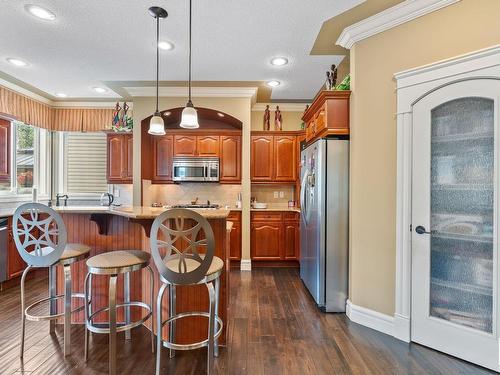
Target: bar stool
40 237
112 264
171 230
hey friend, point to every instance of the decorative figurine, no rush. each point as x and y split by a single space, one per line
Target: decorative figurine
267 118
333 76
278 120
116 116
328 82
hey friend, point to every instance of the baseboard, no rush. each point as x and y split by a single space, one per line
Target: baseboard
370 318
402 327
246 265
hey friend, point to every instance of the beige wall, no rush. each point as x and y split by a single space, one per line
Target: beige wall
291 120
237 107
460 28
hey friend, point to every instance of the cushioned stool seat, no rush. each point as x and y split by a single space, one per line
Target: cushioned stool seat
74 250
191 264
108 263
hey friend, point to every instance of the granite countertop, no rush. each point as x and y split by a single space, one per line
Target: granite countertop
132 212
272 207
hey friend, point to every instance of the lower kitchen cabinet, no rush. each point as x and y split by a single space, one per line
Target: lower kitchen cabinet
235 244
15 264
275 236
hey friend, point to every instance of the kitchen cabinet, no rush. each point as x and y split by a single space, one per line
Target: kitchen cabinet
207 145
262 158
184 145
163 152
235 244
4 150
274 157
119 158
327 115
230 159
275 236
285 158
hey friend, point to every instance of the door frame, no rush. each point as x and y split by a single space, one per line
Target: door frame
412 86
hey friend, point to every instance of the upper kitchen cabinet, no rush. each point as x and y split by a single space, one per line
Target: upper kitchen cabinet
230 158
184 145
119 158
327 115
262 154
4 150
274 157
163 152
285 158
207 145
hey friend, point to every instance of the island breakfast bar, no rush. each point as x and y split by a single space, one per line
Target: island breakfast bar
108 229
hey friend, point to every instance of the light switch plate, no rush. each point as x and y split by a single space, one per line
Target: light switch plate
275 194
282 194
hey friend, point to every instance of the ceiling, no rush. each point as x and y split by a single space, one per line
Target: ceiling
98 42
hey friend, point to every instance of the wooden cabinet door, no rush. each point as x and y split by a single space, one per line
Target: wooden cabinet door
266 240
15 264
115 162
184 145
163 151
261 155
129 143
207 145
235 250
285 158
230 163
291 240
4 150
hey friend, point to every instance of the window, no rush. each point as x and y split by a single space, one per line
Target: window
83 162
29 147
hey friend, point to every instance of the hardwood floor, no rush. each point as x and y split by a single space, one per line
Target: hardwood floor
274 329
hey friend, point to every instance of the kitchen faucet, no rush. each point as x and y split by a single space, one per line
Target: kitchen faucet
59 196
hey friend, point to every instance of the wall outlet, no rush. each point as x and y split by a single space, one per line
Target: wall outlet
282 194
275 194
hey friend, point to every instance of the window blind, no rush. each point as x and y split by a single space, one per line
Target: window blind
85 162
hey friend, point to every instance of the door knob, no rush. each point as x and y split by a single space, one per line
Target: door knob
421 230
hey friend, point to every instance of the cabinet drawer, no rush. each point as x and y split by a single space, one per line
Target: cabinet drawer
292 216
266 216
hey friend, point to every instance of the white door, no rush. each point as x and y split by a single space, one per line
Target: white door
454 221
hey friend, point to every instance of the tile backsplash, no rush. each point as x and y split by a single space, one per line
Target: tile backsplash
186 192
266 194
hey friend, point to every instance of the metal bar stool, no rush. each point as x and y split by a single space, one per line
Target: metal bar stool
112 264
40 237
187 266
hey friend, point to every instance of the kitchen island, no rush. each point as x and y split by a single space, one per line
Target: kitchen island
128 228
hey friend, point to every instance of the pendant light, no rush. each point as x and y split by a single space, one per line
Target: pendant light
189 119
156 125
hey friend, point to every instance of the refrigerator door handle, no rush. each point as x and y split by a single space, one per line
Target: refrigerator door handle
303 205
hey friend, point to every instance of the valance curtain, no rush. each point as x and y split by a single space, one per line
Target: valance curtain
44 116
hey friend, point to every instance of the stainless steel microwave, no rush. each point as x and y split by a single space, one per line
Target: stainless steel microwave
195 169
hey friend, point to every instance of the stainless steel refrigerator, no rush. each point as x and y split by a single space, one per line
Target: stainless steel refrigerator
324 227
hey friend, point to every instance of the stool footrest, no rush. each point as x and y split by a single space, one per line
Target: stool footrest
120 328
39 318
195 345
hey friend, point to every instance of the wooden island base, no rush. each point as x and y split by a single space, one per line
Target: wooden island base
125 233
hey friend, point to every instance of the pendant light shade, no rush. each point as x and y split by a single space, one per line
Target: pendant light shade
189 119
156 124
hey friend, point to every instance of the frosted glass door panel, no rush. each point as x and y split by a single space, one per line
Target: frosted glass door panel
462 198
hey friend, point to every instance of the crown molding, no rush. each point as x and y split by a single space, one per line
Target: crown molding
25 92
284 107
66 104
404 12
200 92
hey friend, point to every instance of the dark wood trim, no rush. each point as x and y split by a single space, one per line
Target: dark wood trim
258 263
102 222
320 98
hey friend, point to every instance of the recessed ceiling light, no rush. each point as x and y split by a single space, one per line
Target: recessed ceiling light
40 12
273 83
279 61
16 62
167 113
61 95
164 45
100 90
220 114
